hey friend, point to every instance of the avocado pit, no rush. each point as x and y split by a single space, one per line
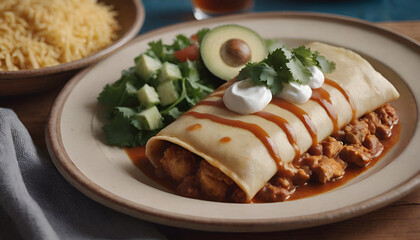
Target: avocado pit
235 52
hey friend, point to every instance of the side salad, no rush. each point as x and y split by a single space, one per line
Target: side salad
165 81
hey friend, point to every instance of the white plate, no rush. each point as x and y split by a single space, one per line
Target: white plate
107 175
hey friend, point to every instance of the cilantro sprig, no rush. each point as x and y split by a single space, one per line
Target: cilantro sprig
285 65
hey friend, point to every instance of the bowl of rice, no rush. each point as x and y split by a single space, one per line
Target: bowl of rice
44 43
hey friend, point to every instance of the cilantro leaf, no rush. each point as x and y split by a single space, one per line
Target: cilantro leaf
325 65
157 50
120 93
171 115
180 42
261 74
125 112
278 58
305 56
270 76
196 86
245 71
189 70
299 72
196 92
200 34
119 131
161 51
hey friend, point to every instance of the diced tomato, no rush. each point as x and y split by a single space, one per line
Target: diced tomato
194 38
188 53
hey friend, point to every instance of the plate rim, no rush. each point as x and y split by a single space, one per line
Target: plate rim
76 178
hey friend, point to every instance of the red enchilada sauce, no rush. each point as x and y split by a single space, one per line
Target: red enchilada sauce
299 113
284 125
345 94
313 188
139 159
321 96
225 140
194 127
310 187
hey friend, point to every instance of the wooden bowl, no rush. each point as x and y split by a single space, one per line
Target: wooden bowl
130 18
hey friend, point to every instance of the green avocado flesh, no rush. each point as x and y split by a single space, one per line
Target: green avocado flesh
226 49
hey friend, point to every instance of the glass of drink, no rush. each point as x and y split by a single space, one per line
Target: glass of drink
210 8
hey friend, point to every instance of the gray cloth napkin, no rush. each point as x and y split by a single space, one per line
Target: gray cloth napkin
36 202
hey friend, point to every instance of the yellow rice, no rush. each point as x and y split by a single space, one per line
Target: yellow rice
43 33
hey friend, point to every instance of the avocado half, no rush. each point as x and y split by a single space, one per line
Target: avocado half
226 49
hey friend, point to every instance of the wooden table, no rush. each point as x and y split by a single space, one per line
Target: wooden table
400 220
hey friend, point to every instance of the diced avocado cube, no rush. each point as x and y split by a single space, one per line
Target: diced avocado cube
167 93
148 96
146 66
169 72
150 119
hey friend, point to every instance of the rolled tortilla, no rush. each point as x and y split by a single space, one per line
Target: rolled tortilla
245 158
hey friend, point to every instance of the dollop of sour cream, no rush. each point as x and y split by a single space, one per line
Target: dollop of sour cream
317 78
299 94
245 98
295 93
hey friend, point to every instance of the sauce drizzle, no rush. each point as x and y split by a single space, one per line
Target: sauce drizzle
345 93
225 140
299 113
284 125
321 96
194 127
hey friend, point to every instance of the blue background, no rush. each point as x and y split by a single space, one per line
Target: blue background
161 13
